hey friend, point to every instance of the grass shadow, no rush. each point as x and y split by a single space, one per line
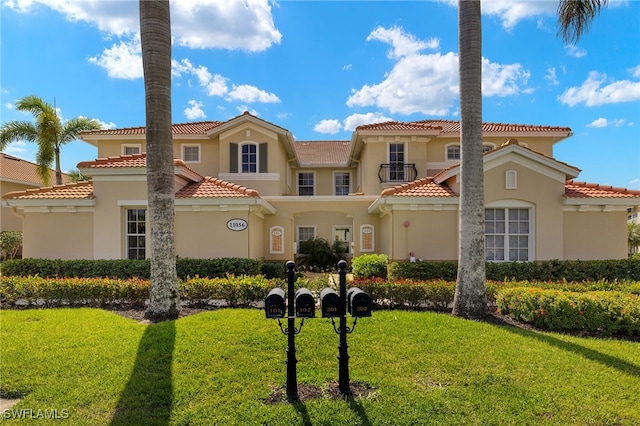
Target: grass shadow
148 395
359 410
301 409
593 355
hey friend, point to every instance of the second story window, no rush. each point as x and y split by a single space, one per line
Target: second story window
453 152
130 149
341 183
249 158
191 153
396 162
305 183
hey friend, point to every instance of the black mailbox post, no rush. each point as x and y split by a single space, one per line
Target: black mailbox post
305 303
274 306
330 303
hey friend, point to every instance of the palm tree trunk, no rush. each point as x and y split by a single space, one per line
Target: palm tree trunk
58 168
470 300
155 33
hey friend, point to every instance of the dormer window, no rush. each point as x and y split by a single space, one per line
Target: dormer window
248 157
130 149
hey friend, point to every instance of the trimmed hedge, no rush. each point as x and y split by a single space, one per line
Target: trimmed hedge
552 270
604 312
242 291
127 268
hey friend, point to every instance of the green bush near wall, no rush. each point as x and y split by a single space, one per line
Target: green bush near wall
552 270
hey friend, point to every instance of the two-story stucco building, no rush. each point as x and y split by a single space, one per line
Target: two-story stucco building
246 188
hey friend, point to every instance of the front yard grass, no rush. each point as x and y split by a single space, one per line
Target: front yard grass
220 367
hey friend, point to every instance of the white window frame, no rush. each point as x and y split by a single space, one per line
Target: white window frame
399 175
241 163
126 146
446 151
298 241
334 231
364 228
136 235
273 233
514 204
313 185
335 183
183 148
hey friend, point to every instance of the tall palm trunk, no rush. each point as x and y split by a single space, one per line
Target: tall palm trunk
470 300
155 34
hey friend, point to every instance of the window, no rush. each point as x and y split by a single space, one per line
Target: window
249 158
305 233
366 238
276 243
396 162
136 234
305 183
453 152
130 149
507 234
191 153
342 238
342 186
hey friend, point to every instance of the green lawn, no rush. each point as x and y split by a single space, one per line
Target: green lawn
218 368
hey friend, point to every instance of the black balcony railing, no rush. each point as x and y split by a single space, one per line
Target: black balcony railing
397 173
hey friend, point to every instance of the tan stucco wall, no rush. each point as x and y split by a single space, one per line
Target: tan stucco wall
8 220
58 236
112 200
543 193
595 235
205 234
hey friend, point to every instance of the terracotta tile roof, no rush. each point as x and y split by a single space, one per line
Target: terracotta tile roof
424 187
194 128
70 191
122 161
323 153
215 188
453 126
593 190
19 170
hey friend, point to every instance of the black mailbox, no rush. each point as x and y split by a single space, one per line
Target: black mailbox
274 304
305 304
330 303
358 302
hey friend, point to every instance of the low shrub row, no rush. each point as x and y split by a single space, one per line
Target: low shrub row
603 312
126 268
552 270
231 291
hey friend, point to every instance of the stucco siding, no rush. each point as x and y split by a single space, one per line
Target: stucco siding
8 220
205 235
58 236
595 235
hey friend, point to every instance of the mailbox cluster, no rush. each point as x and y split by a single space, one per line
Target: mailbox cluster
302 305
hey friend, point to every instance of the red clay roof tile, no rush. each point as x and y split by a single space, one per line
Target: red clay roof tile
23 171
453 126
70 191
424 187
322 153
194 128
215 188
593 190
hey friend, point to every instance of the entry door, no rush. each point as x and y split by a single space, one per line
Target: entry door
343 234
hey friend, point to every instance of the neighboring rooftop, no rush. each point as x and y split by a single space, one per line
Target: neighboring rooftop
79 190
322 153
593 190
17 170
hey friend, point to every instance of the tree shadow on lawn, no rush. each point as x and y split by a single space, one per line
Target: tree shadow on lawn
147 398
593 355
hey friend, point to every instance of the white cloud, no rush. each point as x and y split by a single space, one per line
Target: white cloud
328 126
17 147
242 108
635 71
9 105
251 94
122 60
226 24
195 111
595 92
634 183
599 122
511 12
428 83
575 51
551 76
355 120
402 44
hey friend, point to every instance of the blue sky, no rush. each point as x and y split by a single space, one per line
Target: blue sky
319 69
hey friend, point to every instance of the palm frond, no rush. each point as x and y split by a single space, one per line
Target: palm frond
72 128
575 17
14 131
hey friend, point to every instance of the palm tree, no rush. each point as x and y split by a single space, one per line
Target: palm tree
470 300
76 176
155 36
48 132
575 17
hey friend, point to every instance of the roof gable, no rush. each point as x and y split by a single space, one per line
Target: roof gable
425 187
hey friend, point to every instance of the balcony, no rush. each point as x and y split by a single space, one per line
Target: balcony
397 173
